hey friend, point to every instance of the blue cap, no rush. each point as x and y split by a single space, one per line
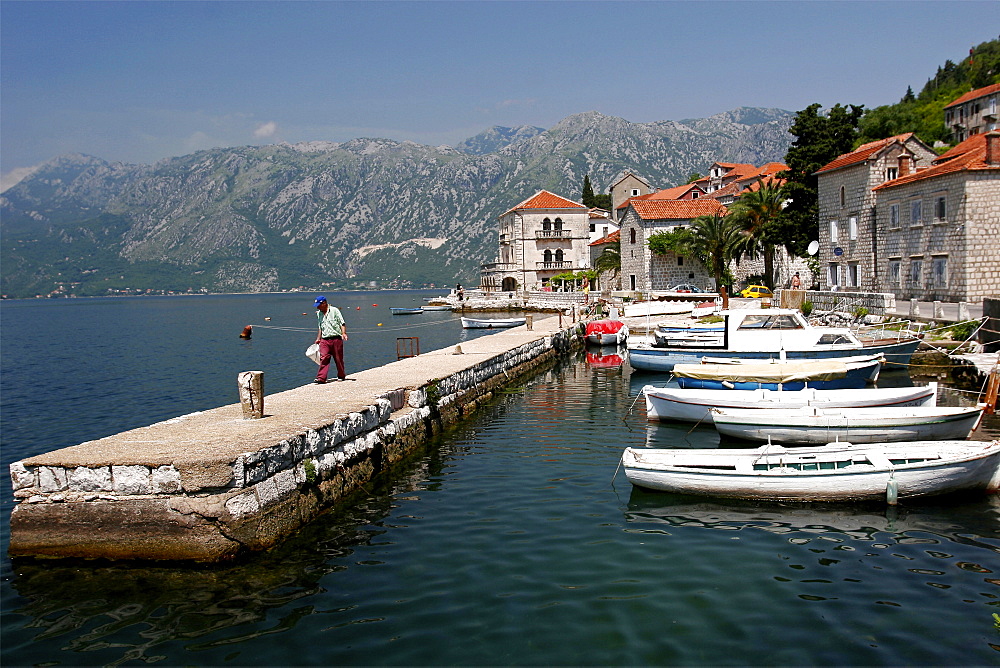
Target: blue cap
319 300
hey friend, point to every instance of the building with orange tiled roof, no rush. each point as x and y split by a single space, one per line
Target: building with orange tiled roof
973 113
643 270
849 241
597 248
541 237
939 226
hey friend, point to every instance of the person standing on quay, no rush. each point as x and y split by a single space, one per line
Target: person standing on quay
330 338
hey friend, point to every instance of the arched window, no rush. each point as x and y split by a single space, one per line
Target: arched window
631 235
559 255
546 224
548 256
558 225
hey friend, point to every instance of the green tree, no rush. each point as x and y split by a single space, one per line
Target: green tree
819 139
757 213
588 193
692 177
610 259
718 241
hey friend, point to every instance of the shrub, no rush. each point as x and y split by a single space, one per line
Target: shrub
963 330
806 308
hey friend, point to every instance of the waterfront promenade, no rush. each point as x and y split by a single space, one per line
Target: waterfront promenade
210 485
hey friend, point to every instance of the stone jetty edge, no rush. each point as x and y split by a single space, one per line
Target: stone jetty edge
144 501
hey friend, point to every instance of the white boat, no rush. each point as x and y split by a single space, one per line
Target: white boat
817 425
405 311
763 334
671 403
834 472
606 332
491 323
649 309
437 307
749 374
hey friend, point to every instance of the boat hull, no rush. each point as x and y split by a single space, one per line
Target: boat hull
789 476
845 373
405 311
663 360
492 323
665 404
856 425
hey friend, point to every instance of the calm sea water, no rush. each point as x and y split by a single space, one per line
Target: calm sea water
510 540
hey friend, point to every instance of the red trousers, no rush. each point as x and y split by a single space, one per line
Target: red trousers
331 348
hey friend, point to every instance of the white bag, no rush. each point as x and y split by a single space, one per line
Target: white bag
312 352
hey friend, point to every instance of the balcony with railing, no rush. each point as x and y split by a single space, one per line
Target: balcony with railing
499 266
554 265
553 234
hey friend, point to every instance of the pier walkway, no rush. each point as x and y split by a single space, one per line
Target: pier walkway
210 485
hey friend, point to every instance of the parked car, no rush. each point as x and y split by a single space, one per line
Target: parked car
756 291
686 287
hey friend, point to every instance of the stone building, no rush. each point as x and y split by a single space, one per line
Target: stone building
973 113
940 227
543 236
850 244
644 270
626 186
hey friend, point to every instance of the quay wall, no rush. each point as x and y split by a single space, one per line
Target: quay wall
210 487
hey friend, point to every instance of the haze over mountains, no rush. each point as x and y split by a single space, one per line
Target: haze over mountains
314 214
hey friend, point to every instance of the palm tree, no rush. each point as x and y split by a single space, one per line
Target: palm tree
716 242
610 260
756 212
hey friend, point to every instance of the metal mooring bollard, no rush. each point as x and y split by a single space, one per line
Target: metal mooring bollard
251 384
529 321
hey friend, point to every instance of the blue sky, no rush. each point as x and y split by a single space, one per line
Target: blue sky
141 81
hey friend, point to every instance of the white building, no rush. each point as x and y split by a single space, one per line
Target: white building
543 236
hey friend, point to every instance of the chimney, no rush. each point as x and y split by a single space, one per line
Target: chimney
993 147
905 163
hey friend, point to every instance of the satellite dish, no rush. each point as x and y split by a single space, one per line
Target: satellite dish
813 247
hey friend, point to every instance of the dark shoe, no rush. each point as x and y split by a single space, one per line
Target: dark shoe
319 382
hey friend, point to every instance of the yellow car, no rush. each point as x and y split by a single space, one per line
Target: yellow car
755 291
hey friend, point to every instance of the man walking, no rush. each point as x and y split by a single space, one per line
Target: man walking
330 337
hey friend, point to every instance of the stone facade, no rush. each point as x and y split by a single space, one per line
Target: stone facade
642 269
973 113
542 237
850 244
626 186
941 235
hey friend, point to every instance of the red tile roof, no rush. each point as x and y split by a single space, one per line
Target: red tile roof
677 209
973 94
543 199
970 155
862 153
610 239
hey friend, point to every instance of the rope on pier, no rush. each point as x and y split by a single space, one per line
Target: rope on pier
359 331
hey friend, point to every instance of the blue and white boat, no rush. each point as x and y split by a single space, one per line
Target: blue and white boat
762 334
742 374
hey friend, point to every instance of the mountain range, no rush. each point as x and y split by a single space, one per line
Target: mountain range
361 213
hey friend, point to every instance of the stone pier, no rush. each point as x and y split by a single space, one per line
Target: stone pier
211 485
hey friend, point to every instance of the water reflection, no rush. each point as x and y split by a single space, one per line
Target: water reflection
123 613
972 520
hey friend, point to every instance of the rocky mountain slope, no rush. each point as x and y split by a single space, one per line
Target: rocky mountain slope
332 214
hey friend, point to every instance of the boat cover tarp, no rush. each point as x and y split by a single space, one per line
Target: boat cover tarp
604 326
782 372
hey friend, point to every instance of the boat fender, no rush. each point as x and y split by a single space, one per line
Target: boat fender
726 384
891 491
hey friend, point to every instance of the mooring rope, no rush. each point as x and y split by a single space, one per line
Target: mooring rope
359 331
